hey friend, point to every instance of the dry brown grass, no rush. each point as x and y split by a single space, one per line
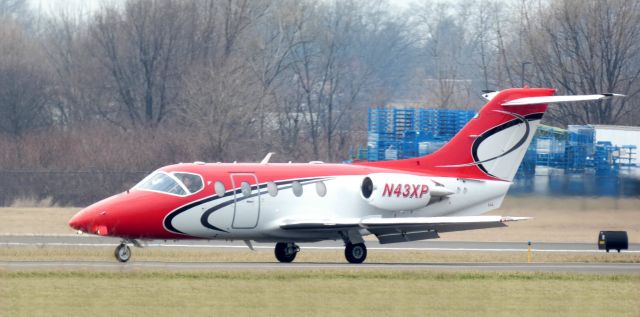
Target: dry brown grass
35 220
555 220
560 220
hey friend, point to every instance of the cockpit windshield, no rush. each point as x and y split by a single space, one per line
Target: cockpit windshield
177 183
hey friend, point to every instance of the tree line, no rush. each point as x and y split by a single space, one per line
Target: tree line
138 84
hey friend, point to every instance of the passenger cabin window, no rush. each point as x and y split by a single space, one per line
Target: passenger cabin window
180 184
220 190
297 188
272 188
245 188
321 189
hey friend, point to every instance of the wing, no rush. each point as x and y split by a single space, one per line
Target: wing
389 230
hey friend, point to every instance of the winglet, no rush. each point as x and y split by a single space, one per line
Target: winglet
266 159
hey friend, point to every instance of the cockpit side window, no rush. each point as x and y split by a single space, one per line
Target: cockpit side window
179 183
192 182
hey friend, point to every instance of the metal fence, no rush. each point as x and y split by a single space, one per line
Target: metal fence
64 188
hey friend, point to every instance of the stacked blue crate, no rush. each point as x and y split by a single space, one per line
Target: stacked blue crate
579 147
527 168
427 124
446 123
605 159
403 120
409 144
406 131
382 134
438 126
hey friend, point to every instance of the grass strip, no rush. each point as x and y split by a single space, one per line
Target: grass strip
316 293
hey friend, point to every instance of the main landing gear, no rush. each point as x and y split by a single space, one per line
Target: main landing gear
123 252
286 251
354 252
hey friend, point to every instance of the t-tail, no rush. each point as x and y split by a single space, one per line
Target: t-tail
492 145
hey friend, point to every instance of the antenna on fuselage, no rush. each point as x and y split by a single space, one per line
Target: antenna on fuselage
266 159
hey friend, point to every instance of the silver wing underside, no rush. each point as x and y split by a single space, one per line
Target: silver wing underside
391 230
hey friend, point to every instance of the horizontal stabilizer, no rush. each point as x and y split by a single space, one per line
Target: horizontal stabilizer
557 99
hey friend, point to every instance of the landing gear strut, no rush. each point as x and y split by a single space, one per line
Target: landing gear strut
123 253
286 251
355 253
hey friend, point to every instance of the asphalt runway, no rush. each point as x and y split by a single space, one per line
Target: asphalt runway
13 241
424 245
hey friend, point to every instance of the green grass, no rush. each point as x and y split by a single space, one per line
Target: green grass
316 293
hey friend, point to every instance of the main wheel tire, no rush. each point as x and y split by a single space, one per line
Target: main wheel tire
286 251
123 253
355 253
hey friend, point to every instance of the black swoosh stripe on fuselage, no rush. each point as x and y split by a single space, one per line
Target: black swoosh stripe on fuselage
287 184
169 218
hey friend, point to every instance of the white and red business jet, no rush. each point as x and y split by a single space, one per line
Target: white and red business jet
397 201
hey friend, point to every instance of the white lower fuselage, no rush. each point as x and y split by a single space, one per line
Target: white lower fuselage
259 217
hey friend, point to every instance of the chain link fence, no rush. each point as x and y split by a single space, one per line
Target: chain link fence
64 188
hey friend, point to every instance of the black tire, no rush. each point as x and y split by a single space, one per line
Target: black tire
355 253
122 253
286 251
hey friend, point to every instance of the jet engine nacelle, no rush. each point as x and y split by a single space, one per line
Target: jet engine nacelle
399 192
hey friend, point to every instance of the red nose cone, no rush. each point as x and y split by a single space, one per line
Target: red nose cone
79 221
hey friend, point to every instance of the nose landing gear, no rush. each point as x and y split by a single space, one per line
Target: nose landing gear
123 253
286 251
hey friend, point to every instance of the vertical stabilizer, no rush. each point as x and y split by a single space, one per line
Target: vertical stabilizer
489 146
493 143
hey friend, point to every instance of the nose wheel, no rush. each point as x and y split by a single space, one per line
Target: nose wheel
123 253
355 252
286 251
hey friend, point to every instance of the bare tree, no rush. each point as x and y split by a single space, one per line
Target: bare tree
447 53
218 109
139 50
587 47
269 55
24 83
17 9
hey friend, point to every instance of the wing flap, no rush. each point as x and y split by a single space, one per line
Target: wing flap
390 230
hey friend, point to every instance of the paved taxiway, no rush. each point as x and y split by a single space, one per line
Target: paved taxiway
13 241
425 245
